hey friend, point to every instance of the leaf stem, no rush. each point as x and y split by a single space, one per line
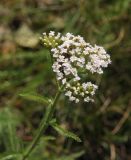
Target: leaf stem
43 125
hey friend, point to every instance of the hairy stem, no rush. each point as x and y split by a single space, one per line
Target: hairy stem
43 126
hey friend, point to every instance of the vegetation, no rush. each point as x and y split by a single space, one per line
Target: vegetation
103 126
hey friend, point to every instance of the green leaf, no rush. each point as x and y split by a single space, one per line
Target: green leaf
72 156
52 121
47 138
65 132
9 120
12 157
36 98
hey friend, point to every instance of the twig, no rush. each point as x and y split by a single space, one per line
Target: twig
122 120
117 41
112 152
104 106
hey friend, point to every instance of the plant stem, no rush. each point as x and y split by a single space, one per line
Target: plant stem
43 126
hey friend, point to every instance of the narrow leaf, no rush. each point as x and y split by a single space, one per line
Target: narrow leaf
65 132
10 157
72 156
35 98
9 120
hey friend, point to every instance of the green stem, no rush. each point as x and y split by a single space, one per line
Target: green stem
51 58
43 126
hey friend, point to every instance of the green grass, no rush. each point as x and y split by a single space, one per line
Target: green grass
105 126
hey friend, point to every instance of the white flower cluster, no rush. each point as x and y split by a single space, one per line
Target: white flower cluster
73 56
77 90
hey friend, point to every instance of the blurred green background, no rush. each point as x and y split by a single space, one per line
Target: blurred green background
104 126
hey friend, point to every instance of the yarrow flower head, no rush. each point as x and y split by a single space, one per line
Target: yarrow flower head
73 58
